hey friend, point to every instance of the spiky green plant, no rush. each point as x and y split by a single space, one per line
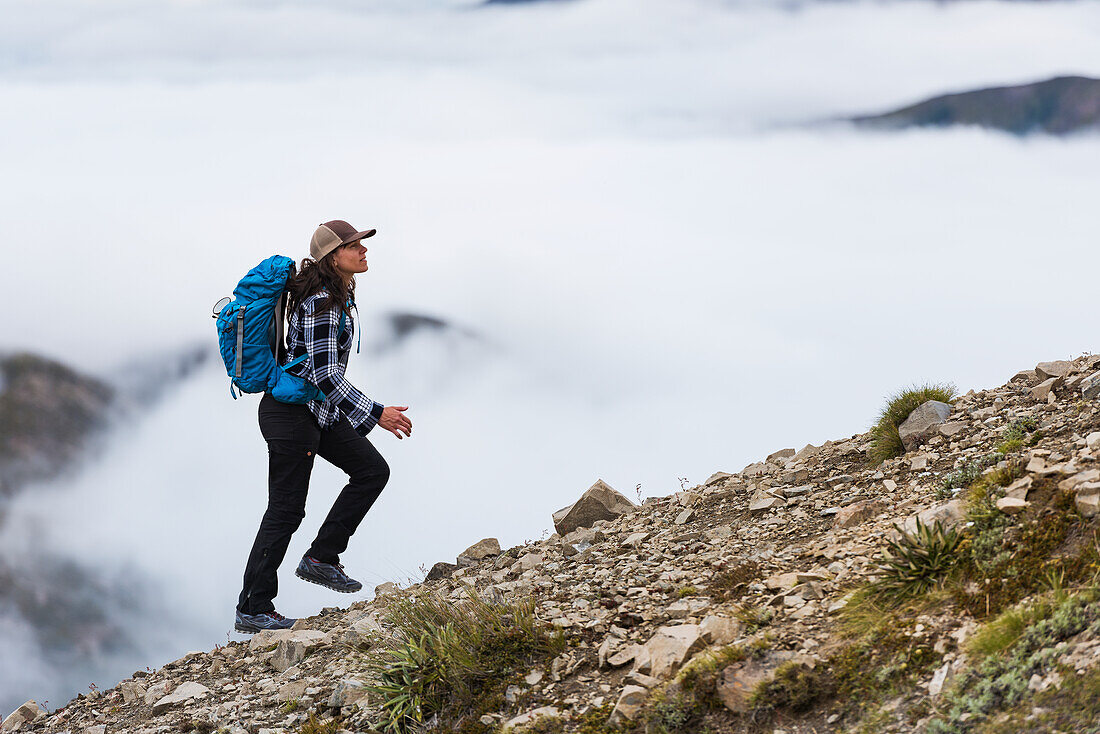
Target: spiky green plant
915 563
444 655
886 440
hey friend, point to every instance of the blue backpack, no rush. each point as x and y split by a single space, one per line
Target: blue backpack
250 335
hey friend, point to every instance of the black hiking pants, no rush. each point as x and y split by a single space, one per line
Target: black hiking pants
293 441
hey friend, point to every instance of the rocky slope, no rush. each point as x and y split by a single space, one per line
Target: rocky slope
757 601
1057 106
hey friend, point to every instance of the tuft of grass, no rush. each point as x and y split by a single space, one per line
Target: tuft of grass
886 442
916 563
291 705
794 687
451 659
754 618
687 591
314 725
998 635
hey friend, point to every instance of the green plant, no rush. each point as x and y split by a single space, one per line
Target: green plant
687 591
291 705
446 657
754 618
794 687
1002 680
916 563
886 442
1001 633
314 725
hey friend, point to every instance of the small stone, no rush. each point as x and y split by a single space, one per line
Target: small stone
1012 505
764 502
719 630
939 680
890 485
1043 390
1093 441
1088 503
386 589
288 653
629 705
684 517
441 570
545 712
479 550
859 512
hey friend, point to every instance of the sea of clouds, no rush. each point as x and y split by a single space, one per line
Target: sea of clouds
670 259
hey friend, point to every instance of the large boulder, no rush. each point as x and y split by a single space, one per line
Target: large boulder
668 649
922 423
599 502
1047 370
26 713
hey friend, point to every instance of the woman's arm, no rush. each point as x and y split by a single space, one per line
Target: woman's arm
319 331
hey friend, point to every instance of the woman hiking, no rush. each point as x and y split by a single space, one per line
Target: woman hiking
320 327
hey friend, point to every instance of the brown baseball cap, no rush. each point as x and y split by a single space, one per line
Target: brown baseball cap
330 235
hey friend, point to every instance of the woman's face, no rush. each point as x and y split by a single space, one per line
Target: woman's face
350 259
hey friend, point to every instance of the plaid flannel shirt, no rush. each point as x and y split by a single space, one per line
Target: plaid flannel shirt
314 331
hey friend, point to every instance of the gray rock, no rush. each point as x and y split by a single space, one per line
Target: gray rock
184 692
545 712
780 456
288 653
28 712
441 570
481 549
684 517
923 422
1044 388
948 514
859 512
157 691
131 691
720 630
1090 386
763 502
629 705
669 649
386 589
599 502
1087 500
1047 370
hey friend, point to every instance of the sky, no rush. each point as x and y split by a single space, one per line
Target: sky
672 257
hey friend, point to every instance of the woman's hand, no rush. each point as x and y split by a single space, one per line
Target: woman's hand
393 420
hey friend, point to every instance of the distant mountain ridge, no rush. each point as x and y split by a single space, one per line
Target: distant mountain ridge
1058 106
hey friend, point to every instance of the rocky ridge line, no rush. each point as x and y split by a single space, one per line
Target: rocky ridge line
636 586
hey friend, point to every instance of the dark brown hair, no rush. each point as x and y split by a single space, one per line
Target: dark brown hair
316 275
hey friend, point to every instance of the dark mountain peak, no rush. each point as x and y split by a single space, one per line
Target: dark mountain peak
1057 106
47 413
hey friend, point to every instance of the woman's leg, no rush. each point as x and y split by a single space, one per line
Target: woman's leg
292 437
367 474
